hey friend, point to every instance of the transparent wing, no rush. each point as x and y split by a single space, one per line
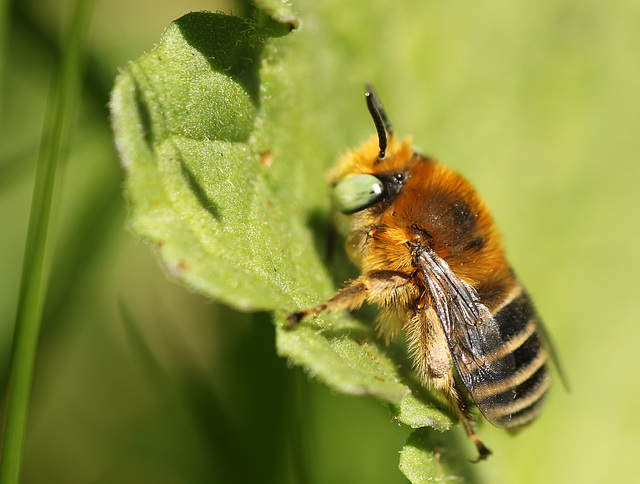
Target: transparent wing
472 333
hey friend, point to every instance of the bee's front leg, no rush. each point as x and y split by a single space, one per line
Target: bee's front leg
380 287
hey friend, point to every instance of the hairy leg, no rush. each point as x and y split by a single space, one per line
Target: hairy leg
432 360
381 287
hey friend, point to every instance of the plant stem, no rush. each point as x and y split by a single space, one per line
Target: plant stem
37 257
5 9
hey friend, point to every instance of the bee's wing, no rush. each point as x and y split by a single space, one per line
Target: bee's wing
472 333
547 343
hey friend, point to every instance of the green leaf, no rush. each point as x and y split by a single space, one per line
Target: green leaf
343 361
184 116
275 15
218 153
429 456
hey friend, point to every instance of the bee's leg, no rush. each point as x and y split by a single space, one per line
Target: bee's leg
483 451
379 286
432 360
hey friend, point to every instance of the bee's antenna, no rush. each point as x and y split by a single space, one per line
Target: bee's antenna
383 126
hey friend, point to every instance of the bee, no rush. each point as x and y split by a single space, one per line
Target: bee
430 253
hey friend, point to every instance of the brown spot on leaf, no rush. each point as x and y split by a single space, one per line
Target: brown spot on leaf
266 158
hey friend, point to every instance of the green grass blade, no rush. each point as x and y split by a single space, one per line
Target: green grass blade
35 270
5 7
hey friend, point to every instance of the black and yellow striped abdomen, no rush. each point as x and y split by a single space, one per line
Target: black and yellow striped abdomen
518 379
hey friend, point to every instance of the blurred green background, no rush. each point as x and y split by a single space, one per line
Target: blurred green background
139 380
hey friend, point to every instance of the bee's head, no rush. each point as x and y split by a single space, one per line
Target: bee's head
374 171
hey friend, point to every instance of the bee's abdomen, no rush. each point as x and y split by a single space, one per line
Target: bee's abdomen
516 394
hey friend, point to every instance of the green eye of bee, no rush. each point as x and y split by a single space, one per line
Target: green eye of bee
356 193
